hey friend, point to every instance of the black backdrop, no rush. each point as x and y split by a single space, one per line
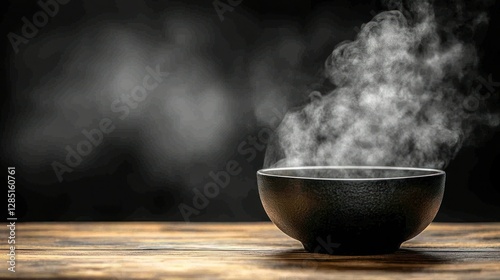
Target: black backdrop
117 182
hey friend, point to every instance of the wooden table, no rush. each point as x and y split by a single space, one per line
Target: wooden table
238 251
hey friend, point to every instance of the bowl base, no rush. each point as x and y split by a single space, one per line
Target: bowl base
377 248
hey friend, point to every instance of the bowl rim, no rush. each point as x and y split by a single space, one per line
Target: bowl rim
434 172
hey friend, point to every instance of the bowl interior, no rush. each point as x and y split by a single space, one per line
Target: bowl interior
349 172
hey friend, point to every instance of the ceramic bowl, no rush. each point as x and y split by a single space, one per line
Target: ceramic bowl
351 209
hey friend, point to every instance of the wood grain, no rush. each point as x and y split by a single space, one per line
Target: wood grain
239 251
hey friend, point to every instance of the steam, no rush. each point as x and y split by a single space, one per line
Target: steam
398 101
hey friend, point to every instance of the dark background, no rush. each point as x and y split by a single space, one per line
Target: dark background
263 55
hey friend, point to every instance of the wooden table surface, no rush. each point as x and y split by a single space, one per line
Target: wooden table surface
238 251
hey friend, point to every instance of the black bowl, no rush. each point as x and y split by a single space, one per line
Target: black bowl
351 210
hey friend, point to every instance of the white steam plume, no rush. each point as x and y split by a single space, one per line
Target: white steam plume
398 100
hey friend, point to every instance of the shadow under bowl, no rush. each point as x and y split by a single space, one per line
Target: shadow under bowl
355 210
